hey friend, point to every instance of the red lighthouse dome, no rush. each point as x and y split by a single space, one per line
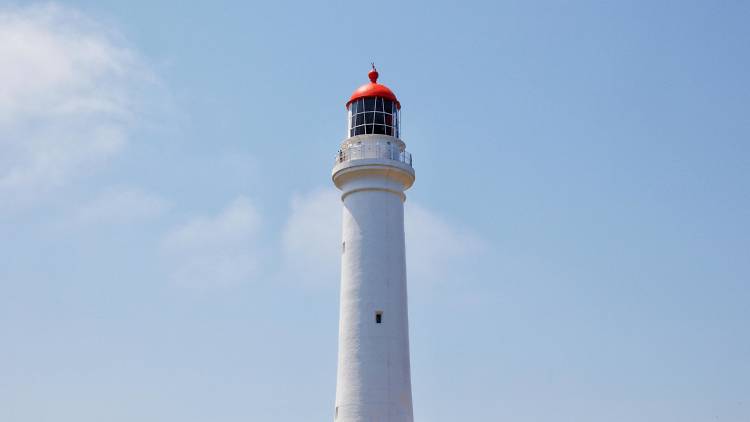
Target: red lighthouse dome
373 89
373 109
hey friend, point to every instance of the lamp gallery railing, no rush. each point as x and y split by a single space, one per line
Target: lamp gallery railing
365 151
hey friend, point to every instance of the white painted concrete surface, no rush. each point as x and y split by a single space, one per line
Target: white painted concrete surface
373 380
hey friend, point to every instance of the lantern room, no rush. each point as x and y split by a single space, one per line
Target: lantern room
374 109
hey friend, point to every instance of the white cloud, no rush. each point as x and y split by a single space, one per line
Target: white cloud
68 92
436 247
221 250
122 205
226 249
312 236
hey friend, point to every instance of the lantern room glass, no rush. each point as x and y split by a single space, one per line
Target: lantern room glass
374 115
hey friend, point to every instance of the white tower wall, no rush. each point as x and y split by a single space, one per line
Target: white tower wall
373 381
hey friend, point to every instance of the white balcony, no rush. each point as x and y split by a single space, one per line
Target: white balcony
379 150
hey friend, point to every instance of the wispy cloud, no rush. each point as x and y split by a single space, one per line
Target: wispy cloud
312 236
122 205
68 98
220 250
436 246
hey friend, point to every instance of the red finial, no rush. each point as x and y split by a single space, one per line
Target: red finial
373 74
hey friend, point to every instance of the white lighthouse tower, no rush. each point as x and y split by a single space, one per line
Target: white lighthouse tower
373 170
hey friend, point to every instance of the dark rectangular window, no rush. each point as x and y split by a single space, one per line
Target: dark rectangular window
379 317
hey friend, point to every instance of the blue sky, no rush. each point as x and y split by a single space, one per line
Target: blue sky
577 236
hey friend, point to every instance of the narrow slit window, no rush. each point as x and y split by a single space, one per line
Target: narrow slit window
379 317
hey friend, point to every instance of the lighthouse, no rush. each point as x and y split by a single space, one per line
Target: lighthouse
373 170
